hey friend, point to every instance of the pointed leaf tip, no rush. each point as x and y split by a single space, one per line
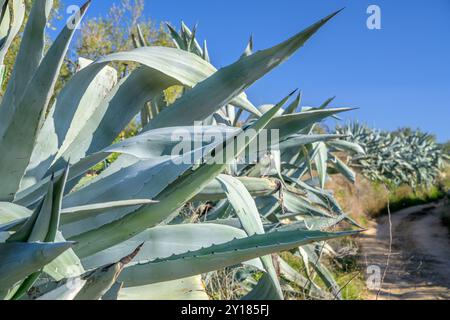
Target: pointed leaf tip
85 7
319 24
278 107
335 13
126 260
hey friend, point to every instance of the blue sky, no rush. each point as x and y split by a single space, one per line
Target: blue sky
398 76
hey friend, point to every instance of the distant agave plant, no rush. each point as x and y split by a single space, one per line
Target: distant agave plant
413 159
123 234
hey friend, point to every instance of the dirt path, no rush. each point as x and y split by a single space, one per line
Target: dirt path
420 261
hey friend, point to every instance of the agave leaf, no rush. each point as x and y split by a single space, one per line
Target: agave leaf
206 52
165 241
327 103
268 206
266 107
263 291
299 140
249 49
76 104
313 223
29 225
301 162
322 271
91 285
3 4
142 41
343 169
347 146
298 206
243 204
257 187
295 104
177 40
10 212
190 39
113 292
230 112
28 58
321 160
193 45
219 256
218 90
220 211
83 63
65 292
246 210
230 222
74 214
42 226
171 198
310 287
187 68
162 142
291 124
326 196
100 281
18 14
181 289
67 265
4 235
5 22
20 260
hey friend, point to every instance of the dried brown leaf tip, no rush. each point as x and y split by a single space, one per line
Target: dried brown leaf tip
126 260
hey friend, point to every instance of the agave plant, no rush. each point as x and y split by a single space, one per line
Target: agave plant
286 165
124 234
414 159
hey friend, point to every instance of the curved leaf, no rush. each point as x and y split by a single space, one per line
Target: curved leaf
165 241
219 256
246 210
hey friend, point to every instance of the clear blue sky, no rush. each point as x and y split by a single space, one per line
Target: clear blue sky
397 76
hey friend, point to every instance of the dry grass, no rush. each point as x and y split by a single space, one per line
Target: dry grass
361 200
444 178
230 283
367 199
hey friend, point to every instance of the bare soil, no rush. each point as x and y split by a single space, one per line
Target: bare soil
419 267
